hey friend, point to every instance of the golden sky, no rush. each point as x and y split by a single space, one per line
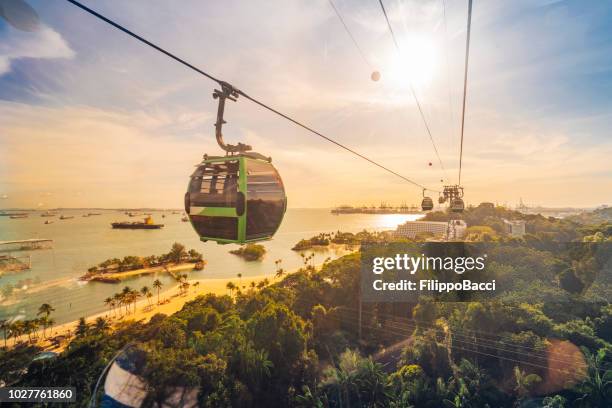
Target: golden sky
90 118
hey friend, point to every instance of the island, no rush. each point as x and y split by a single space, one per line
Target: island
250 252
177 260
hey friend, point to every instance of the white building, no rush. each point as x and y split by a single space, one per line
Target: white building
516 228
455 229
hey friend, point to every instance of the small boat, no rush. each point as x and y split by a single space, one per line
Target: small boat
15 216
66 217
147 224
185 219
85 215
48 222
48 214
91 214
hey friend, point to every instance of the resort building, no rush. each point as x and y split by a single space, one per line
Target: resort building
516 228
455 229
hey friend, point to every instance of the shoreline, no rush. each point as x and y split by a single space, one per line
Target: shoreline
170 301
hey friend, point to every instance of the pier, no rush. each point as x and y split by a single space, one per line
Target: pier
26 244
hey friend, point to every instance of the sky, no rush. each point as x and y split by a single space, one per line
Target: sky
91 118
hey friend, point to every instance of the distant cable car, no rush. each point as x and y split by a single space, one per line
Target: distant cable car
457 205
426 203
236 198
375 76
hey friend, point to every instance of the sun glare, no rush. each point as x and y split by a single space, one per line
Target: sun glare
416 63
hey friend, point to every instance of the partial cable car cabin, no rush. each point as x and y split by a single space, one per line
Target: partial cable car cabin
427 204
235 199
457 205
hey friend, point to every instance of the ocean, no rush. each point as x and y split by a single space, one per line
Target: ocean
82 242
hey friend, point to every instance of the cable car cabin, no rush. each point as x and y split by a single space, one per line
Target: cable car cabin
427 204
235 199
457 205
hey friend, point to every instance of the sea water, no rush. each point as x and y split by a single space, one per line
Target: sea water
82 242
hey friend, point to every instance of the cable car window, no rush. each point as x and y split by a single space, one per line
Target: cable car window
266 199
215 185
216 227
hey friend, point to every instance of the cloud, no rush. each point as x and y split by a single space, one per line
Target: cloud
44 43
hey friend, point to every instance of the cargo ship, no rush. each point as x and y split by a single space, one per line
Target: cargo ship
147 224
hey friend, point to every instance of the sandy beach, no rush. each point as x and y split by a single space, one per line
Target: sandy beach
170 301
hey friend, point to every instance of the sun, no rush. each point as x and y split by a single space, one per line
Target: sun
416 63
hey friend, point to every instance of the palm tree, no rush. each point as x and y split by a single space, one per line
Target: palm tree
30 326
279 273
109 302
50 322
82 327
157 285
44 322
101 325
5 327
134 295
240 279
126 295
196 284
230 286
45 309
185 287
596 388
145 292
16 330
117 297
149 296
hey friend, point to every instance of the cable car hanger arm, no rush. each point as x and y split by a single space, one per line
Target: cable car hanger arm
231 93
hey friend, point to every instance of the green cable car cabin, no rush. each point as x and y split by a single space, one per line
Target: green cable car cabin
235 199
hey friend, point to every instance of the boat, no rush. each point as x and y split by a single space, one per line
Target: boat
66 217
147 224
48 214
185 219
15 216
91 214
48 222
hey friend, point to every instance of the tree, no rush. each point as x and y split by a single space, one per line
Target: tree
118 298
177 253
524 382
17 329
101 325
570 282
596 389
157 285
145 291
44 322
5 327
109 302
82 327
45 309
230 286
196 284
